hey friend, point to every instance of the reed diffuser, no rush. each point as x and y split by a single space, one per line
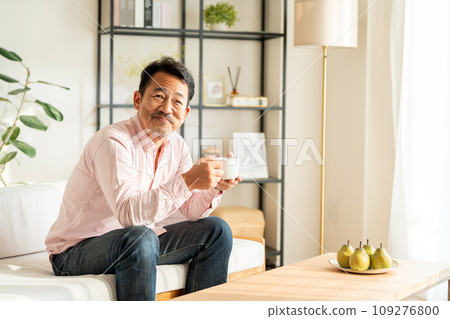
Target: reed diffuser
235 81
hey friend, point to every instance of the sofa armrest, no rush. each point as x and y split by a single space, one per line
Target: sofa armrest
260 240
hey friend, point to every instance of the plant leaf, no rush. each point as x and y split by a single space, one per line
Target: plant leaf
13 136
48 83
25 148
3 99
5 159
33 122
51 111
17 91
10 55
7 79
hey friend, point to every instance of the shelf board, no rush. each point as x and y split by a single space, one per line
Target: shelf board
193 33
271 251
228 107
116 106
241 35
156 32
262 180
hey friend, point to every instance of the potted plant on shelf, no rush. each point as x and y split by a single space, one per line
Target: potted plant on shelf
220 16
16 99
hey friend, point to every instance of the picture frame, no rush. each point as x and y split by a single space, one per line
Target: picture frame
250 147
214 90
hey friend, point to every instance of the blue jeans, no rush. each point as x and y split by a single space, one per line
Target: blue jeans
132 254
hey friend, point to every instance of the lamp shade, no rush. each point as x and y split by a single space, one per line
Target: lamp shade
326 23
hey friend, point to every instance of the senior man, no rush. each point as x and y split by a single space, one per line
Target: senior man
135 201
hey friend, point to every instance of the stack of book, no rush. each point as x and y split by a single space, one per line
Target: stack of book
248 101
136 13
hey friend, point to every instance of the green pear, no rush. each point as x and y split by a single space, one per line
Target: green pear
359 260
369 249
344 254
381 258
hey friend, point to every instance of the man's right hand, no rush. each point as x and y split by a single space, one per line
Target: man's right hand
205 174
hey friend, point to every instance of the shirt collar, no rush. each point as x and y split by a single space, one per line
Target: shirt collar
142 137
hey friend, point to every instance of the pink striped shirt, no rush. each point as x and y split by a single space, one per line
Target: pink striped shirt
115 185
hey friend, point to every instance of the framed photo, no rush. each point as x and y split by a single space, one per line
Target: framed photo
251 150
214 90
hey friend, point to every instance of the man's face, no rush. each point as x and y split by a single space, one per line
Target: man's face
163 107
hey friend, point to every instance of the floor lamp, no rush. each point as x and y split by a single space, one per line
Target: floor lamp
327 24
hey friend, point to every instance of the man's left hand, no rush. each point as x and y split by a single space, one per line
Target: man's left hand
226 184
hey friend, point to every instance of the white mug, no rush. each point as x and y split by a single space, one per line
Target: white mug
230 166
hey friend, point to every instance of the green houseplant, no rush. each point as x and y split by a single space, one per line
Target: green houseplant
220 13
17 99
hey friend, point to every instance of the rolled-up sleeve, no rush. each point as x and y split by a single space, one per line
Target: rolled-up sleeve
201 204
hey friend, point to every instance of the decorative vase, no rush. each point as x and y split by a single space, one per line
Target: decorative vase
219 27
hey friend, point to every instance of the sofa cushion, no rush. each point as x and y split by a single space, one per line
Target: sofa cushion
245 254
26 214
30 277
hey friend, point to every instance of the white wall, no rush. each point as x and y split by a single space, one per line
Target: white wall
57 41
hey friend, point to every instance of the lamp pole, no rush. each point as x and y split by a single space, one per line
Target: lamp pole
324 126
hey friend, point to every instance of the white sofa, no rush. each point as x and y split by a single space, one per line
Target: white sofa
26 214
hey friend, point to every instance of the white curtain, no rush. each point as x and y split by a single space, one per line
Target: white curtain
420 55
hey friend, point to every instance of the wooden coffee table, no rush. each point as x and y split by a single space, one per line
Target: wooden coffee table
316 279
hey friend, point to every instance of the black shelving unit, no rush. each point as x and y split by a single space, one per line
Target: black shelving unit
203 35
